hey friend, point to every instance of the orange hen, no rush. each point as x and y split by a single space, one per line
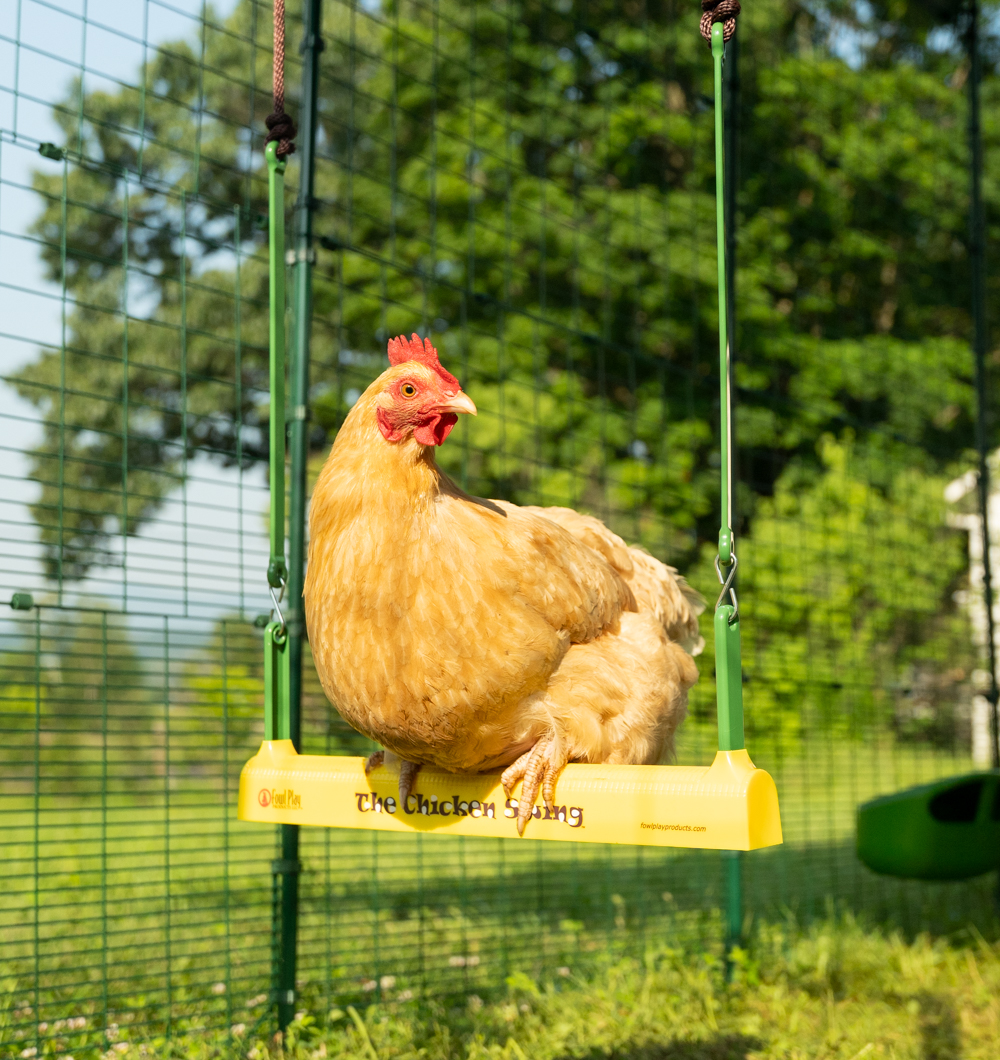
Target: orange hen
476 635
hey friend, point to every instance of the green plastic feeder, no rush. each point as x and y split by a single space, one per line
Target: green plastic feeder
948 830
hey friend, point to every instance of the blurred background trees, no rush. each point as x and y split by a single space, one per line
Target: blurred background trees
532 184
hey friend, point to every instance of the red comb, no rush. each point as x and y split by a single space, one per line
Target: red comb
413 349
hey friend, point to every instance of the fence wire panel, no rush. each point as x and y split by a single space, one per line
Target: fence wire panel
532 185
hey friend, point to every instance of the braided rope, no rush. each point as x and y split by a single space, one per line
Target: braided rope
724 11
280 126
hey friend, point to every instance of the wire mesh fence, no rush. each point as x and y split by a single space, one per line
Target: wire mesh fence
531 184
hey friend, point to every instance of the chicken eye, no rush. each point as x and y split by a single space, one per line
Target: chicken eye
408 390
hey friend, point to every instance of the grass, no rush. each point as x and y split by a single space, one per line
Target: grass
158 918
833 991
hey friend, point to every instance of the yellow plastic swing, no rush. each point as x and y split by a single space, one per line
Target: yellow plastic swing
730 805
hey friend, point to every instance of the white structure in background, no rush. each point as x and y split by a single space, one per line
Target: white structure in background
960 489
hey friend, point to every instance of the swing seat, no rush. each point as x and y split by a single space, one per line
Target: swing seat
730 805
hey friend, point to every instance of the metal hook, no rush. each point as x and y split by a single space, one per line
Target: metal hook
727 583
277 606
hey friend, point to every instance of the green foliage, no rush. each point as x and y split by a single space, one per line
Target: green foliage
845 588
219 697
537 192
75 663
74 690
533 185
93 699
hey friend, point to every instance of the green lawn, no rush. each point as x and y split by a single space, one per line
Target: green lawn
159 920
832 991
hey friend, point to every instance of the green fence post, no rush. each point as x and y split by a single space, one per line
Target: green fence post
302 256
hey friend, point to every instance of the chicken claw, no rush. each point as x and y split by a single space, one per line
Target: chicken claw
374 760
407 776
535 769
407 772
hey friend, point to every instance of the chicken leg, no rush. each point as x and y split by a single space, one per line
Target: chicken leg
407 773
538 768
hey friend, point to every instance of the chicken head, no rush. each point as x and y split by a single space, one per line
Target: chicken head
423 399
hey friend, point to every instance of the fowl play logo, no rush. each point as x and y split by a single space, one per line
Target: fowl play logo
280 800
455 806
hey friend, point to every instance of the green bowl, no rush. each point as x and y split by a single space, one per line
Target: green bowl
948 830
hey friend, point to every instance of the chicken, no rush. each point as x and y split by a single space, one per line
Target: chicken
475 635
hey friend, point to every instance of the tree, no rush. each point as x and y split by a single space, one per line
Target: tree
219 702
846 591
76 693
532 184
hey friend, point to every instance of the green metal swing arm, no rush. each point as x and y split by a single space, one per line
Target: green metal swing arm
728 663
276 670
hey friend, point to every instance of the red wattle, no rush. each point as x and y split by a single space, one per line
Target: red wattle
436 429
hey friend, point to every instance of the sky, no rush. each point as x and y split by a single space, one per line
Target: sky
188 560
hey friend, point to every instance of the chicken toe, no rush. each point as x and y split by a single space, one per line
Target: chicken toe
407 778
514 772
538 769
374 760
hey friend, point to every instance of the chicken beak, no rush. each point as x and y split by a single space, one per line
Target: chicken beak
461 402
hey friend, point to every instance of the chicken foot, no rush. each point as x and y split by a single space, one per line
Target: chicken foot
407 773
407 778
538 768
374 760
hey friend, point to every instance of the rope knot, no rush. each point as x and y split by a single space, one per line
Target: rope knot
281 128
724 11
